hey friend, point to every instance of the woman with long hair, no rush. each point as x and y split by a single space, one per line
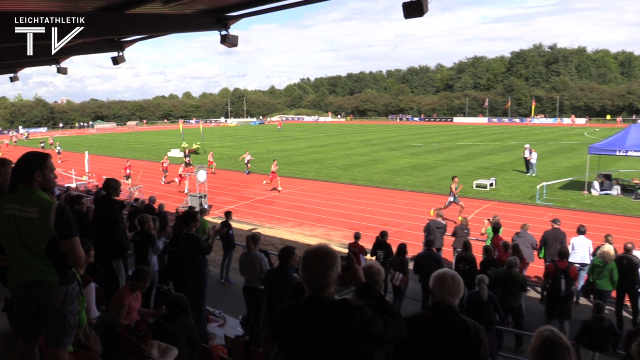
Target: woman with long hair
604 273
383 252
489 264
466 265
253 265
176 328
484 308
400 279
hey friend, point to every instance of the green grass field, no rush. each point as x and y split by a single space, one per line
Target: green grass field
410 157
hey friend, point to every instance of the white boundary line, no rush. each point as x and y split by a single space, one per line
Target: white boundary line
482 208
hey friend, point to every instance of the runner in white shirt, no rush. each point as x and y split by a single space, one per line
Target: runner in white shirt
533 162
581 249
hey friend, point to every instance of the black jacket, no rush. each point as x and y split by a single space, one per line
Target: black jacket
598 334
552 240
425 264
324 328
180 333
441 332
163 220
383 252
142 240
279 283
460 234
628 265
110 237
467 268
435 229
149 209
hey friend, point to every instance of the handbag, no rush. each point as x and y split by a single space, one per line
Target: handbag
587 289
87 339
397 278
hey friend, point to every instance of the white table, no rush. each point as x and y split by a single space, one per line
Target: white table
489 184
175 153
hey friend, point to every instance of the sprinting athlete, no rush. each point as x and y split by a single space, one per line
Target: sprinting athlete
187 158
50 142
279 125
6 143
15 140
127 173
59 152
247 162
211 163
42 145
164 166
274 175
454 189
619 121
182 176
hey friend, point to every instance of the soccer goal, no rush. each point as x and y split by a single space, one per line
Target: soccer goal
132 125
106 127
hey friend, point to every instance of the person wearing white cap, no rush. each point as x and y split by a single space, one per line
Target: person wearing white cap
527 158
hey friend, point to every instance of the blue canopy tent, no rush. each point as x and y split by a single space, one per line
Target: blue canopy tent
624 143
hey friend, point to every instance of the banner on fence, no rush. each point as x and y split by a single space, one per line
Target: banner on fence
432 119
478 120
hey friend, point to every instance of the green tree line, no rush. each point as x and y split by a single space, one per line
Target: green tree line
589 83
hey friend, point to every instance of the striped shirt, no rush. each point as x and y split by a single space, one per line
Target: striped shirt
581 249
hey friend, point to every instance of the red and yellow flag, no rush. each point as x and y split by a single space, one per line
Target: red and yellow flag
533 108
508 104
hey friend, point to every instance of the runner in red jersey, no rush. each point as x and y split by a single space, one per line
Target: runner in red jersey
164 164
279 124
274 175
211 162
6 143
51 143
182 176
127 173
15 140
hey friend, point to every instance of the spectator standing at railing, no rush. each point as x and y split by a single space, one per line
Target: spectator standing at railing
557 289
628 282
483 307
228 240
163 218
487 230
400 275
552 240
597 334
604 274
510 284
357 250
489 264
280 281
425 264
78 206
134 211
150 207
460 234
466 265
528 244
580 248
42 245
496 238
383 252
435 230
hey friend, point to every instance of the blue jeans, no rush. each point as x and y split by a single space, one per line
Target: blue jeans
582 274
532 168
225 265
610 192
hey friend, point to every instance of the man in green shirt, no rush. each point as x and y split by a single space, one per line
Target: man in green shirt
486 228
40 237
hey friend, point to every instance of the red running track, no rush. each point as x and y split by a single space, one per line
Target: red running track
334 211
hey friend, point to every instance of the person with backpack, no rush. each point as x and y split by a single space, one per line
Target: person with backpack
557 289
483 307
603 272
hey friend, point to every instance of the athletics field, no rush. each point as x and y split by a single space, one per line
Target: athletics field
396 156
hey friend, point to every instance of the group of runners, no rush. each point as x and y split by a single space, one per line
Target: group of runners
183 171
57 147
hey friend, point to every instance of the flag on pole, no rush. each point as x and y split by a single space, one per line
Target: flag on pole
508 104
181 131
533 108
486 103
200 126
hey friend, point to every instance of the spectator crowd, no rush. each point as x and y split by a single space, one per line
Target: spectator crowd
73 294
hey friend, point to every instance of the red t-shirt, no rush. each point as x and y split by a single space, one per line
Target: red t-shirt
502 257
496 240
549 270
51 141
165 164
129 298
127 170
210 157
358 251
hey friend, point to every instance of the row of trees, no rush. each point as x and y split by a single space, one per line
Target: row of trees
589 83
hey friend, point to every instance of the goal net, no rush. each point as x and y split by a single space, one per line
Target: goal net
132 125
106 127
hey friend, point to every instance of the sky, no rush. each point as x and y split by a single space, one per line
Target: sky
335 38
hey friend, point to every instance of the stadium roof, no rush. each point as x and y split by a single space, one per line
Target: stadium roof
110 26
624 143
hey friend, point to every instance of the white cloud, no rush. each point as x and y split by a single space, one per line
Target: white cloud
342 36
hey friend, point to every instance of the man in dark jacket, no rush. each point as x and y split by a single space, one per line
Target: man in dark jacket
163 218
150 207
598 334
134 211
527 243
510 284
552 240
628 281
112 246
441 332
323 327
425 264
280 281
435 230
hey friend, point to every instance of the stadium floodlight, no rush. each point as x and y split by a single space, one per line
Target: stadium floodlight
118 59
169 3
228 40
14 78
415 8
61 70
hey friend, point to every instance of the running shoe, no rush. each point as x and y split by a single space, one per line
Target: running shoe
460 218
264 182
431 212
